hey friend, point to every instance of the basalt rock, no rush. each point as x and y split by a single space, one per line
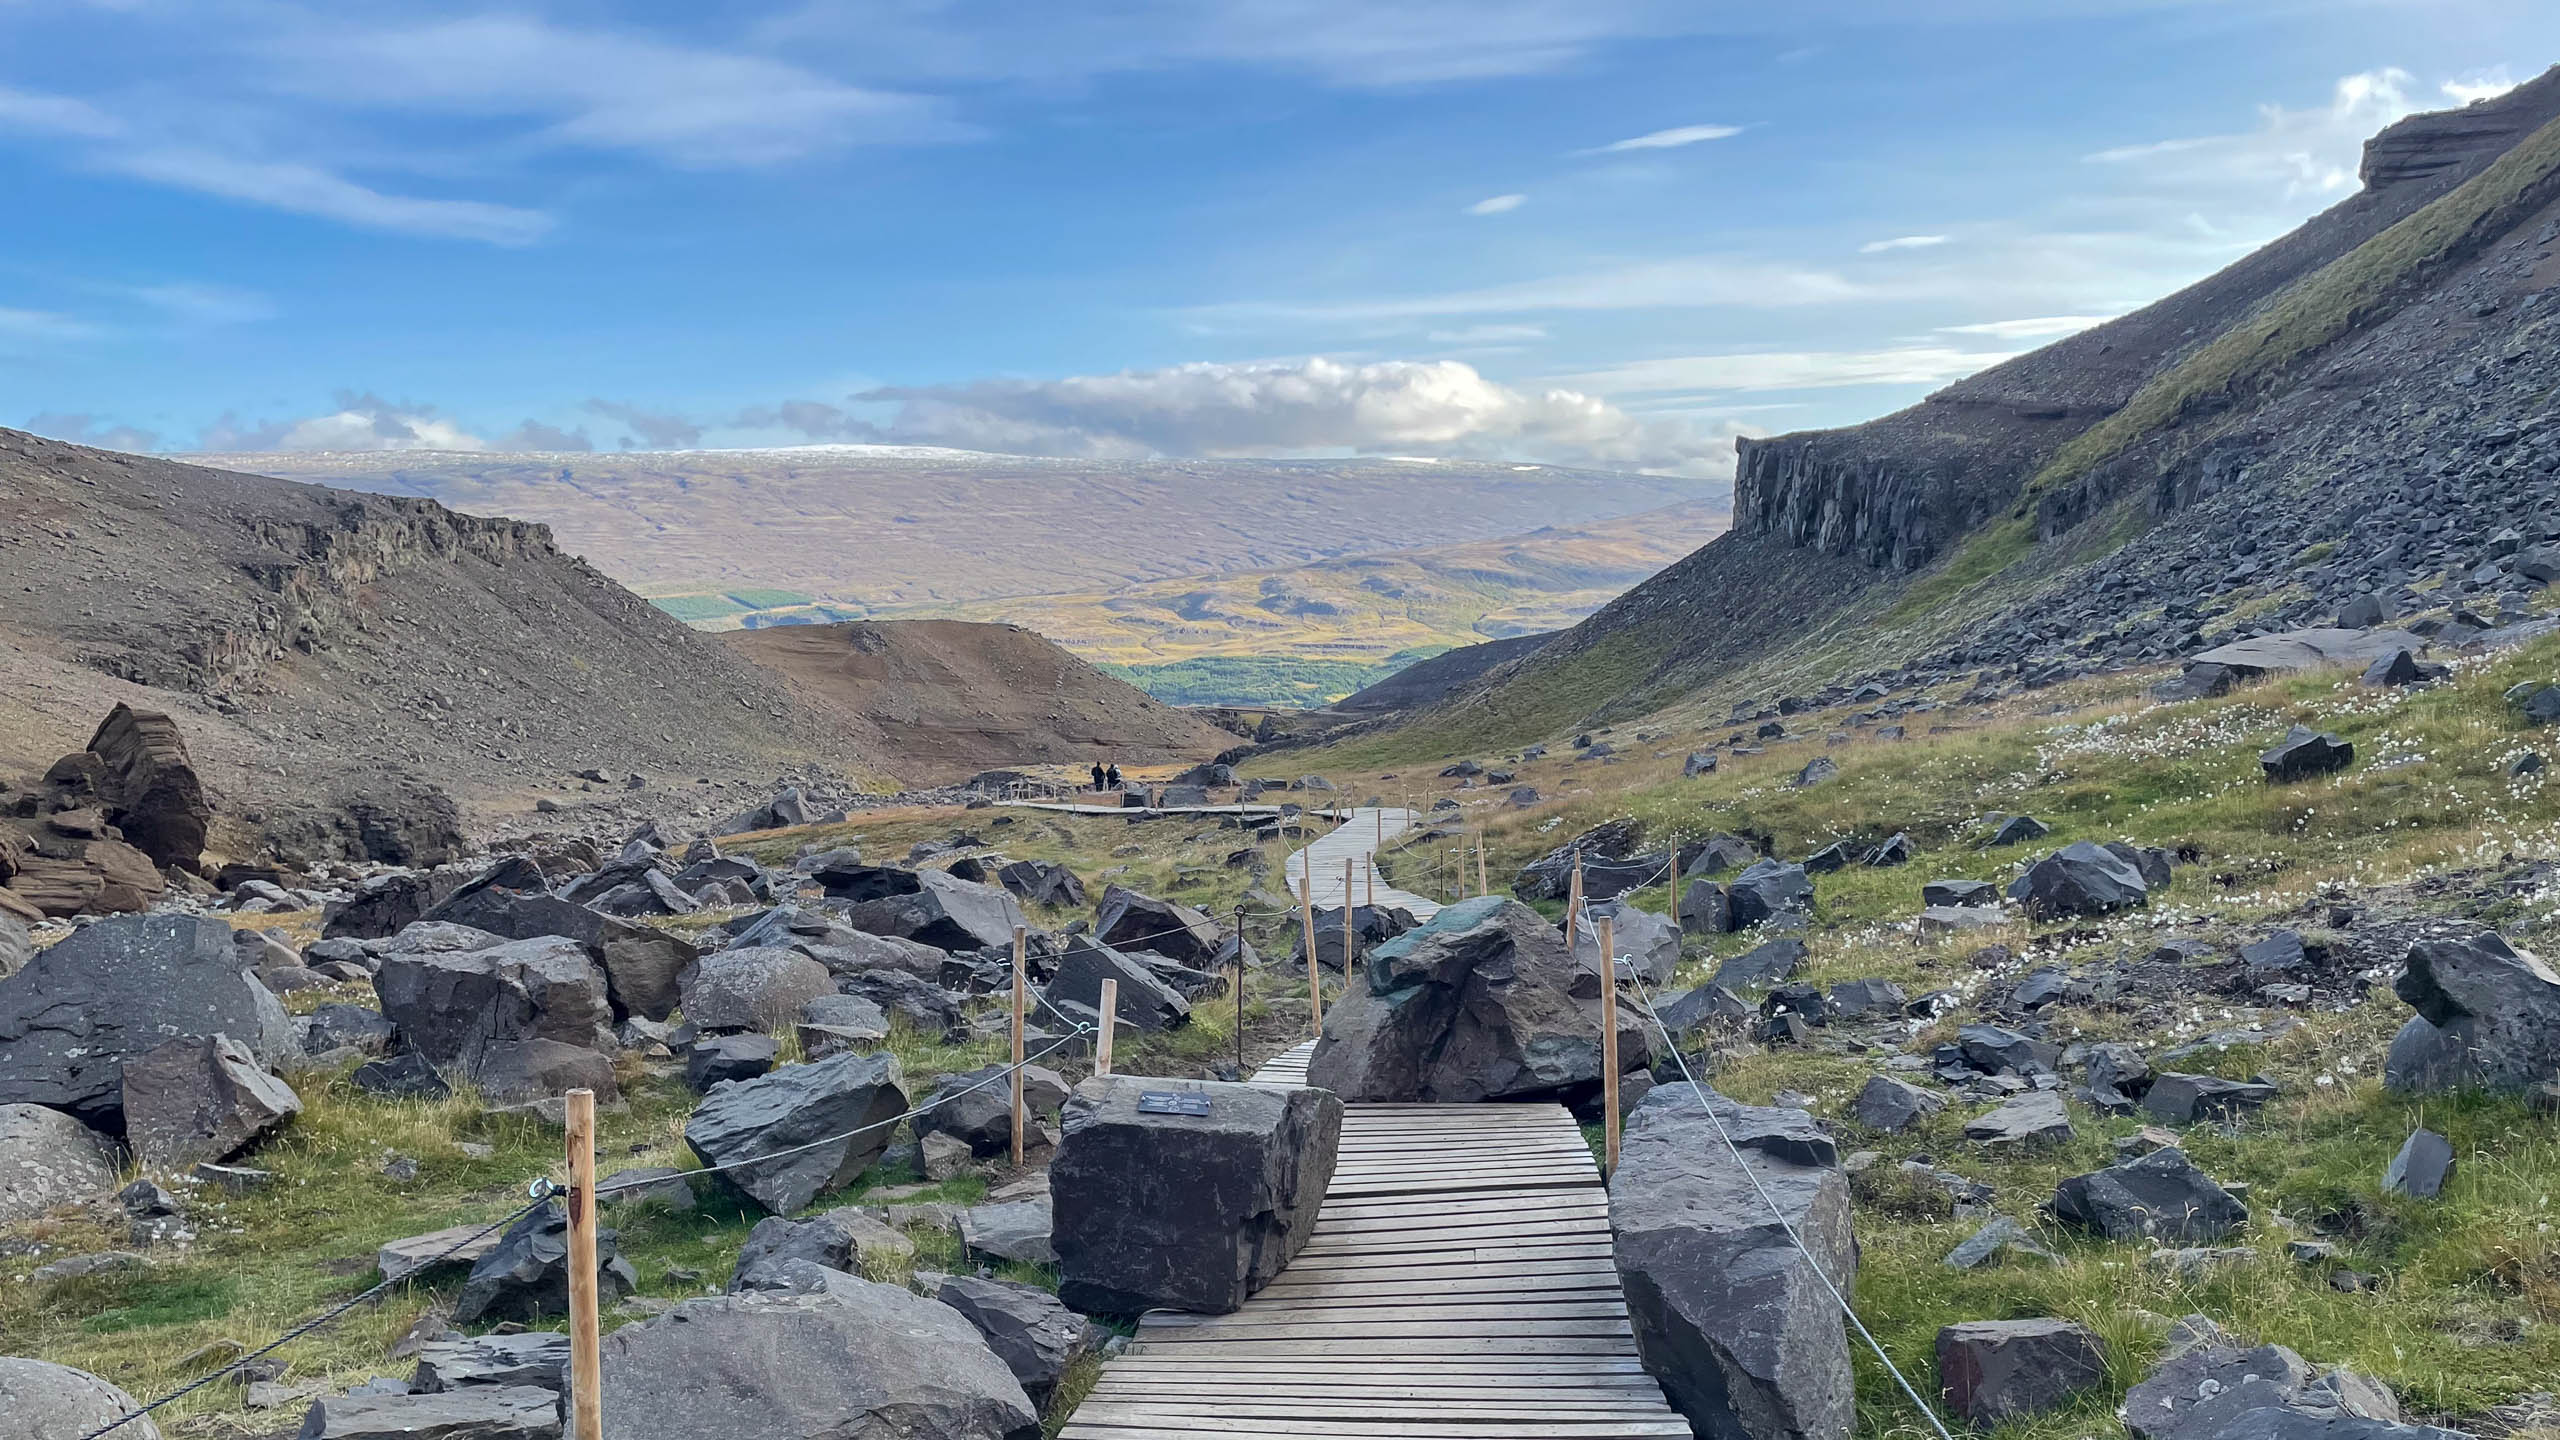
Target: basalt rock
1728 1313
120 987
200 1099
1186 1212
794 1107
1484 1002
2488 1016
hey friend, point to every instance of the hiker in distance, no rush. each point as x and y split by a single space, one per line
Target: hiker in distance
1097 775
1114 772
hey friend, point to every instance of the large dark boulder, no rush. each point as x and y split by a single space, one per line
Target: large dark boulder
793 1107
473 1412
1995 1370
2161 1196
1646 943
1762 965
1128 920
527 1276
907 999
1041 882
752 988
1035 1336
2081 879
1185 1212
2488 1016
1146 1001
1371 925
43 1401
536 1357
387 904
1768 889
1729 1315
976 1106
195 1099
844 1359
640 963
1484 1002
943 911
841 948
460 1010
48 1159
1550 876
120 987
2303 753
2214 1389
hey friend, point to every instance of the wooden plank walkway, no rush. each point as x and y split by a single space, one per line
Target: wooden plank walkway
1458 1286
1356 840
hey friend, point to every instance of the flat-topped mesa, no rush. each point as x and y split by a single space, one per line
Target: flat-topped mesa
1897 492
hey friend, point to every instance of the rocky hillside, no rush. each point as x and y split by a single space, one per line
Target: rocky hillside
949 698
2353 411
321 647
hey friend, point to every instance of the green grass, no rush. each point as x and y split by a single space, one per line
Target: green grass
761 599
1254 679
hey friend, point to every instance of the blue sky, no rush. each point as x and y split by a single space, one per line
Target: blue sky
1606 232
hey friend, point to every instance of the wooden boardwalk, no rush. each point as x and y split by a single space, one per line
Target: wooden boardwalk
1458 1286
1356 840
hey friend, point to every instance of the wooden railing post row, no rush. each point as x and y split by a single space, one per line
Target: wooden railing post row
1609 1042
1021 999
1307 923
586 1364
1110 1027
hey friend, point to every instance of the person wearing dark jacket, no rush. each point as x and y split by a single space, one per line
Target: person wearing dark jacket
1114 773
1097 775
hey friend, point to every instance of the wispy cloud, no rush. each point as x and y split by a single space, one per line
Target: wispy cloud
1902 242
2310 151
1496 204
112 143
1797 370
199 304
656 430
1700 281
362 421
1671 139
2478 86
2042 327
45 325
1441 407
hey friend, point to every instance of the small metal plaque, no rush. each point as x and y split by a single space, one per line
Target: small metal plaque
1171 1102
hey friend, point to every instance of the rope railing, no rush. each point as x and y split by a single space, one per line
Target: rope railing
1839 1297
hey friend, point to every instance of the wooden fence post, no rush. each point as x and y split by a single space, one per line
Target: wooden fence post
1307 924
1110 1027
1609 1039
1482 888
1021 998
586 1370
1346 917
1573 901
1240 1070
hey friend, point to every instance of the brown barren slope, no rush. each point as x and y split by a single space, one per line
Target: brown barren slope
942 699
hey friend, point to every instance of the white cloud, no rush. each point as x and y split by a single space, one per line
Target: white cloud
1496 204
2041 327
1901 242
361 422
2481 85
655 430
694 107
2312 151
1799 370
205 304
1439 407
1488 335
44 325
1671 139
120 146
1706 280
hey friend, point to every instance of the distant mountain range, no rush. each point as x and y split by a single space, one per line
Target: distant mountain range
1243 581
